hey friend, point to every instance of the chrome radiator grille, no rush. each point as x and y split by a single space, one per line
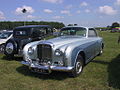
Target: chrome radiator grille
44 52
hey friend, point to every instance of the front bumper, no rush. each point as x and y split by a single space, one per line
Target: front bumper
47 67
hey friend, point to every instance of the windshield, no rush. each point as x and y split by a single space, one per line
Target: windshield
5 35
74 31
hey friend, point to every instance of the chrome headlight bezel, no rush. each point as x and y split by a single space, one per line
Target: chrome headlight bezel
30 50
58 52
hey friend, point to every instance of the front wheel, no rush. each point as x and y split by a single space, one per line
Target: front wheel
77 70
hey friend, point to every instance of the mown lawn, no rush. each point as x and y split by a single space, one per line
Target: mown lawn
103 73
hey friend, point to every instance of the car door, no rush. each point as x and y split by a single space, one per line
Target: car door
94 45
89 49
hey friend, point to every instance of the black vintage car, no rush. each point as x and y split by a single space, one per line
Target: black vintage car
23 35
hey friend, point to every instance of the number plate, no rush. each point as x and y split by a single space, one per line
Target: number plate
40 70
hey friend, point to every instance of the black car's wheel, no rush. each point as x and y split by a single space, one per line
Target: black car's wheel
78 67
10 49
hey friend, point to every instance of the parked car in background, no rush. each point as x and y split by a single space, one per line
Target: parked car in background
23 35
74 48
116 29
4 37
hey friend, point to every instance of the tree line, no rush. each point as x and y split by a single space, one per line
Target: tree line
10 25
109 27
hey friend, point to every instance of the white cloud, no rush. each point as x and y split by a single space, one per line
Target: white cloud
65 12
58 17
101 17
78 11
2 15
69 6
28 8
30 17
53 1
87 11
107 10
117 2
84 4
48 11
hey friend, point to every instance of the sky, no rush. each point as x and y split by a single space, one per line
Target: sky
90 13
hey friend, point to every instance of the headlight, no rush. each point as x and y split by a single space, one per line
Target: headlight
30 50
58 52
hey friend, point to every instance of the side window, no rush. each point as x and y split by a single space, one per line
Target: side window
92 33
38 32
49 30
42 31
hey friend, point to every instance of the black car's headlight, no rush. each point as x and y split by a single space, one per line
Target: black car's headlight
30 50
58 52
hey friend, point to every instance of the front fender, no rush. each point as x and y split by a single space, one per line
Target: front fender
75 54
25 50
71 54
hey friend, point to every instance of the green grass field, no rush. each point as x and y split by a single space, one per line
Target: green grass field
103 73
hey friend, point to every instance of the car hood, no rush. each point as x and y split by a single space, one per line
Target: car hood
60 41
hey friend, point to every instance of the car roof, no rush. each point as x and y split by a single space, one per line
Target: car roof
32 26
74 27
77 27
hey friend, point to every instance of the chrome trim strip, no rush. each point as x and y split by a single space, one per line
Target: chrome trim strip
56 68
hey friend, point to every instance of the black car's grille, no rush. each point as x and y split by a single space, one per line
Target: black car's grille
44 53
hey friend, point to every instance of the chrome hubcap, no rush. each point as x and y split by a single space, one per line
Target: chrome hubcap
78 67
9 48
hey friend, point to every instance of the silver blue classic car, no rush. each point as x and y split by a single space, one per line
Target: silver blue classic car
74 48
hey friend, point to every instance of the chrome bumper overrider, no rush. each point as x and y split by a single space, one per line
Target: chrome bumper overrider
47 67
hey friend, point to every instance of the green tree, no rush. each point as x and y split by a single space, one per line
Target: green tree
115 24
11 25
